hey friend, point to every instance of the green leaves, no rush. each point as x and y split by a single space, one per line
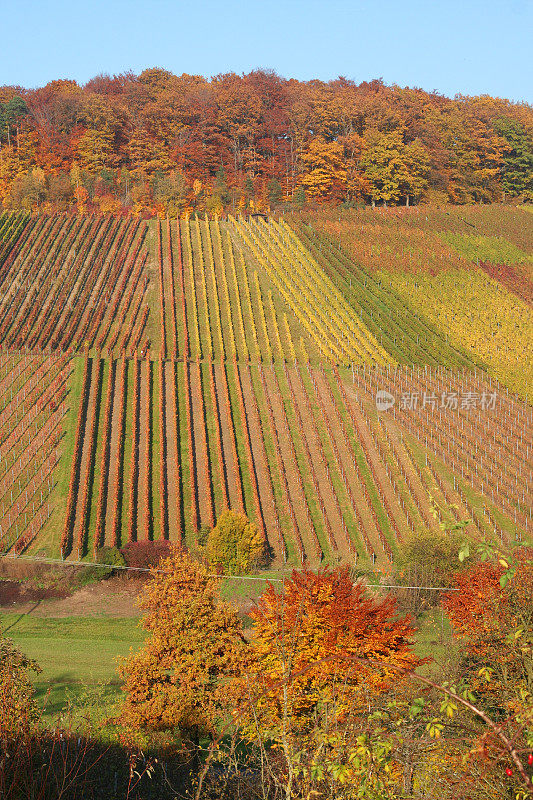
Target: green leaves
417 706
464 552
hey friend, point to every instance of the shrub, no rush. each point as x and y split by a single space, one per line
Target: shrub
18 710
147 554
427 559
108 557
234 543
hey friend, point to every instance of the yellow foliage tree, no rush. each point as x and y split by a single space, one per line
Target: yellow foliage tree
325 171
234 543
393 169
175 681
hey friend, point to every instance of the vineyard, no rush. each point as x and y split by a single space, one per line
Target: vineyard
156 373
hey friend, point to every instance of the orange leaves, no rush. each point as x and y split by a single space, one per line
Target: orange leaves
325 171
194 643
482 607
321 638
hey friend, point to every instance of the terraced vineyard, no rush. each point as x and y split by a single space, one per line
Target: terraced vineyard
154 374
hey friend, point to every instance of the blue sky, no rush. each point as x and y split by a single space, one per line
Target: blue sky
469 47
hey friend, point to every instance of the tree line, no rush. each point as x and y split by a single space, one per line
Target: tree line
168 144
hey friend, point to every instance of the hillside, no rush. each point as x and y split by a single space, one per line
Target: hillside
155 373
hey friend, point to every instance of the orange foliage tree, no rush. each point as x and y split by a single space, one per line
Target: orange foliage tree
492 613
321 646
194 642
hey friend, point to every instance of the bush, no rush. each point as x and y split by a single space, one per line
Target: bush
144 555
234 544
108 557
427 559
17 703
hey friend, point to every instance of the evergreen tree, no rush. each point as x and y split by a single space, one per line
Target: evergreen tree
517 170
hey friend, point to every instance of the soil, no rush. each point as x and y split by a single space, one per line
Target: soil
115 597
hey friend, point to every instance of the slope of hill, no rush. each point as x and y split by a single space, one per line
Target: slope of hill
236 364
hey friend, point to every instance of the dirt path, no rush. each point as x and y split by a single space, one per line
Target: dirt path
116 597
264 482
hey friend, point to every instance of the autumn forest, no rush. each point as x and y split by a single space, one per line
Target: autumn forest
156 143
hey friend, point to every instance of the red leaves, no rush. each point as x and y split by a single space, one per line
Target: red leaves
329 628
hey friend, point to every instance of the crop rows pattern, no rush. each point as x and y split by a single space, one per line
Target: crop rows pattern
235 365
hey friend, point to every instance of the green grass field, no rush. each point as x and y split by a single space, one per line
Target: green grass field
75 654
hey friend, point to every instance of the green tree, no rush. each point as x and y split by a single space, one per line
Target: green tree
11 114
517 169
274 191
220 186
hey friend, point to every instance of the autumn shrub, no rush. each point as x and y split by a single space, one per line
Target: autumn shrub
427 558
145 554
492 615
18 711
234 544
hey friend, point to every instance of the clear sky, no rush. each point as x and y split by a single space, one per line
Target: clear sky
451 46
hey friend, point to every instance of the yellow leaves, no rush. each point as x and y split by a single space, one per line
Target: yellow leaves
178 678
325 171
320 307
235 543
477 314
435 728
